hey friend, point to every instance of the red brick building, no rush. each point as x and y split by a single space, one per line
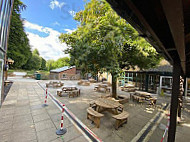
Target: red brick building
65 73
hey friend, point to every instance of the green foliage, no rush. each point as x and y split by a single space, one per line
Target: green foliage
105 42
18 44
34 63
49 64
61 62
43 65
36 52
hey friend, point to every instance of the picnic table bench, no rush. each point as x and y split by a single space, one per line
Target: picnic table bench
107 104
123 99
128 88
107 82
54 84
72 91
94 116
84 83
120 119
92 80
141 96
102 86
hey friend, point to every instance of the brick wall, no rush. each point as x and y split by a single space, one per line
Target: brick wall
68 73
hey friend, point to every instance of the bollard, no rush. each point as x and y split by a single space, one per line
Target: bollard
45 102
62 130
167 127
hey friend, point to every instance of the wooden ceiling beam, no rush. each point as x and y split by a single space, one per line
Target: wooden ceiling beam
147 26
173 10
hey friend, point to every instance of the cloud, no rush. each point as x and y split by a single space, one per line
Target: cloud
49 47
56 23
69 31
72 13
56 4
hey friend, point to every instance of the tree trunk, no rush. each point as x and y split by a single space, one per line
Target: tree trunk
114 86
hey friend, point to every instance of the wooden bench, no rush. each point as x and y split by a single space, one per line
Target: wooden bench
59 92
96 88
92 80
123 99
152 101
93 105
106 96
54 84
94 116
108 89
80 82
120 119
74 93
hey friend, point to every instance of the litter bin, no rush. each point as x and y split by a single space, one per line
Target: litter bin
38 76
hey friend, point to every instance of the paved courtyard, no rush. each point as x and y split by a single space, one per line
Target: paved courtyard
22 117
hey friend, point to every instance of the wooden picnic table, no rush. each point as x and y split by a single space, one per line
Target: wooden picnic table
103 86
106 82
141 96
128 88
54 84
71 90
84 82
92 80
110 105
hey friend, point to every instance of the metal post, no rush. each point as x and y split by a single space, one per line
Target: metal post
174 100
160 88
146 82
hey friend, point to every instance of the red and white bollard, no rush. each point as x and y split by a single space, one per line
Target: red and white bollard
167 127
62 130
46 95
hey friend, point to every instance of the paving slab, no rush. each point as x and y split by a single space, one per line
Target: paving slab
23 118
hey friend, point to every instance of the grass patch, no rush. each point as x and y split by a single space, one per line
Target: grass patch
30 73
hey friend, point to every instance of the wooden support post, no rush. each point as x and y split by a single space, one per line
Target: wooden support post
174 100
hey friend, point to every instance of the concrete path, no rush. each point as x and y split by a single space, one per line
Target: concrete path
23 119
19 73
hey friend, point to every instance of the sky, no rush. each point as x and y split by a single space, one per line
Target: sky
45 20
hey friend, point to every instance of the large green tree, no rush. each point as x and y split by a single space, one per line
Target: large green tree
35 62
105 42
18 44
61 62
43 65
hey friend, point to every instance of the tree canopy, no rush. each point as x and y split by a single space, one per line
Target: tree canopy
18 43
61 62
35 62
36 52
105 42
